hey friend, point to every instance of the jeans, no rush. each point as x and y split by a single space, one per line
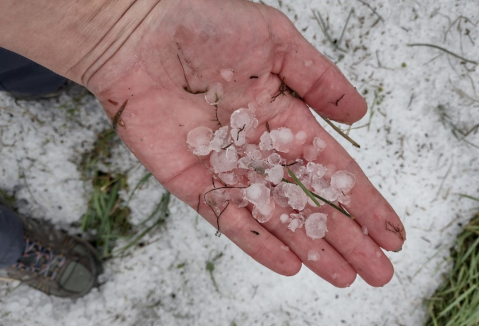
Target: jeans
19 75
12 242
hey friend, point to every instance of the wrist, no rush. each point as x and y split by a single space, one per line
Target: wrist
73 39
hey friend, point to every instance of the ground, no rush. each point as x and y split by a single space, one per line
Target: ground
421 99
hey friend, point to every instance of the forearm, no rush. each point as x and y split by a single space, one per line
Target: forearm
72 38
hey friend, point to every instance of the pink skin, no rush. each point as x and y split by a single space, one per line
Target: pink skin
253 40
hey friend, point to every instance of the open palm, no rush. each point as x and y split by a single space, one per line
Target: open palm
180 50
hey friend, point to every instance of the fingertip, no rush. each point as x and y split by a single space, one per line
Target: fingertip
381 276
345 280
292 268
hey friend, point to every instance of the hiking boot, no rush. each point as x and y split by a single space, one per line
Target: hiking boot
54 262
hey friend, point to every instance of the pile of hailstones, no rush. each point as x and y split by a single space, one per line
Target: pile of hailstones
254 172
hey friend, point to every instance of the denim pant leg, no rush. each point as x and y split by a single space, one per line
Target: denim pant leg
12 242
20 75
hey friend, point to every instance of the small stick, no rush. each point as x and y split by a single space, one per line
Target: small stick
445 50
188 89
117 119
323 27
216 114
240 130
339 131
199 202
372 9
344 30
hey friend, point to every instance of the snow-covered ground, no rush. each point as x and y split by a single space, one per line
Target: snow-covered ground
408 151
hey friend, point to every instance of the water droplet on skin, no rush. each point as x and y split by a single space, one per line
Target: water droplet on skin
285 248
313 255
227 74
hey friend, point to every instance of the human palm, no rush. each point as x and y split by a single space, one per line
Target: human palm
179 51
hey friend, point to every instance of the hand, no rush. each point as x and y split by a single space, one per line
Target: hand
184 45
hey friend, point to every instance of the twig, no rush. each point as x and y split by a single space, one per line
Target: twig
218 233
199 202
117 118
324 29
372 9
469 197
216 116
444 50
7 279
339 131
344 28
442 182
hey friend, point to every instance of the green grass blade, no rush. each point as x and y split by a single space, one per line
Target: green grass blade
301 185
140 183
323 199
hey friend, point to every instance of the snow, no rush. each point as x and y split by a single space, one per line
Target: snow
313 255
257 194
214 93
217 199
265 142
279 195
275 174
343 181
297 199
220 140
296 221
242 121
413 159
284 218
221 163
301 137
275 159
282 139
263 211
319 144
227 74
310 153
315 225
199 140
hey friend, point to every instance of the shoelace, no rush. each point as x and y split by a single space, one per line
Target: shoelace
45 262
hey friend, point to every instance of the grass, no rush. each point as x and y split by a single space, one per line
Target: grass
456 302
210 267
459 132
313 196
6 199
159 215
107 218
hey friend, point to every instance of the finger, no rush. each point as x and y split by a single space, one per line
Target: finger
368 206
358 249
318 255
235 223
314 77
